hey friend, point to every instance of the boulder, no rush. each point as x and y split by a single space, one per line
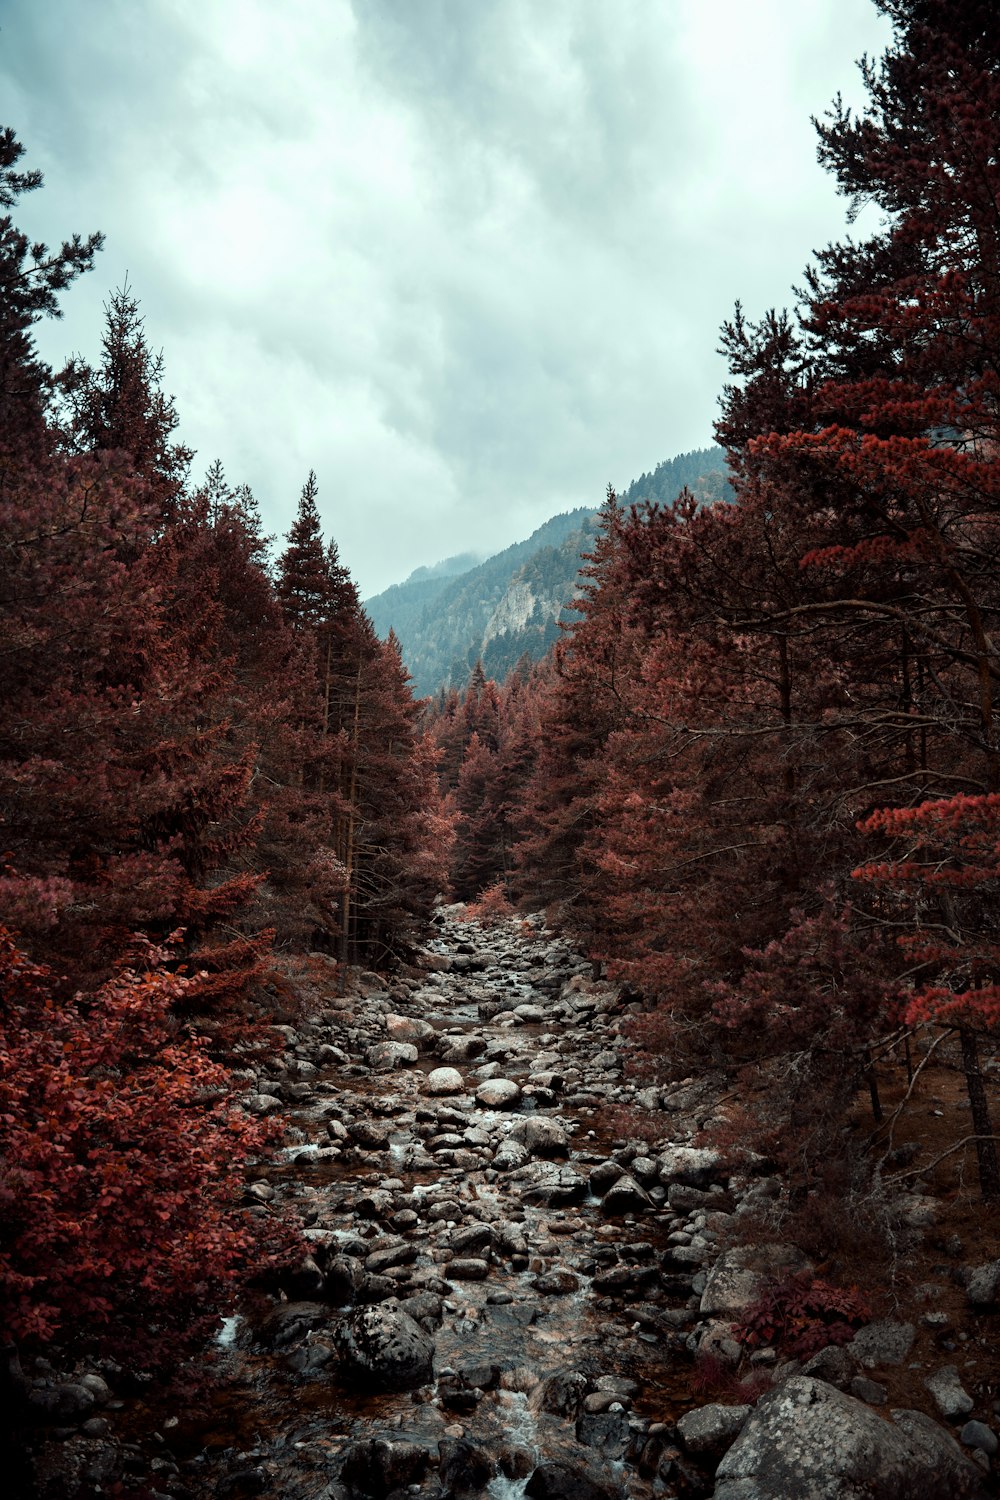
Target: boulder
465 1470
984 1284
498 1093
386 1349
387 1056
541 1136
808 1439
711 1429
559 1481
694 1166
738 1275
381 1466
625 1197
408 1029
884 1343
444 1081
950 1396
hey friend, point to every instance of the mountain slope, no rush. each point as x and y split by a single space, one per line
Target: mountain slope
511 604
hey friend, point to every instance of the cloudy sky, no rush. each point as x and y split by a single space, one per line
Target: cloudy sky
467 259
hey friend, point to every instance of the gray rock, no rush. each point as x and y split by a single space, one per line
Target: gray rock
711 1429
883 1343
694 1166
868 1390
466 1239
950 1396
807 1439
408 1029
984 1284
625 1197
499 1093
605 1175
386 1349
387 1056
444 1081
381 1466
471 1269
978 1435
735 1280
561 1481
541 1136
834 1365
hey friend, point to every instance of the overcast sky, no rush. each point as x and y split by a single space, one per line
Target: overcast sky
467 259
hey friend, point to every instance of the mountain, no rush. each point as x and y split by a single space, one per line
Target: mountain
450 614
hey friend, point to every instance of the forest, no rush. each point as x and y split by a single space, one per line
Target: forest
756 782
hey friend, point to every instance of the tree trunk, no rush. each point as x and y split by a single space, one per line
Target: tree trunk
986 1151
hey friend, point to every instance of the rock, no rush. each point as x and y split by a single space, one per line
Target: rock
387 1056
735 1279
711 1429
68 1402
262 1104
408 1029
868 1390
461 1048
467 1270
808 1439
556 1283
984 1284
950 1396
607 1430
551 1185
541 1136
509 1156
560 1481
466 1239
465 1470
289 1322
498 1093
883 1343
444 1081
370 1135
625 1197
978 1435
604 1175
561 1394
834 1365
379 1467
694 1166
386 1349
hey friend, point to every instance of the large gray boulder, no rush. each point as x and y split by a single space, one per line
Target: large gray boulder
808 1441
386 1349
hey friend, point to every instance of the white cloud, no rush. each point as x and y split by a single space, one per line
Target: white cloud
466 261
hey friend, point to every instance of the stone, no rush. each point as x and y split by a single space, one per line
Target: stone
735 1279
444 1081
541 1136
834 1365
711 1429
984 1284
883 1343
625 1197
387 1056
408 1029
551 1185
381 1466
950 1396
465 1470
370 1135
498 1093
68 1402
466 1239
563 1481
978 1435
509 1156
471 1269
868 1390
561 1394
604 1175
386 1349
606 1430
694 1166
556 1283
808 1439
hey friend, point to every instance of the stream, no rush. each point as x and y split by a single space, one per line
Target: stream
502 1279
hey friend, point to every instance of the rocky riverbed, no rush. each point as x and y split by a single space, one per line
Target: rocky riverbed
504 1294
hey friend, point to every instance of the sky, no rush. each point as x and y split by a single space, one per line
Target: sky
466 259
